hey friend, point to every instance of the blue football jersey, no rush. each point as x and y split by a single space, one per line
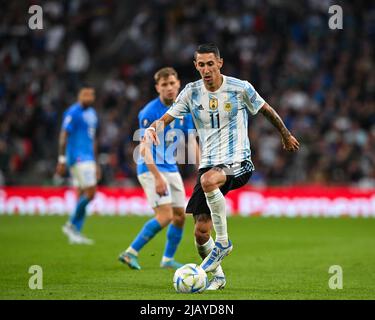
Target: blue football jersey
80 124
163 154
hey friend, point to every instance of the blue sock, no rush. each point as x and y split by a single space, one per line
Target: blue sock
174 236
78 217
150 228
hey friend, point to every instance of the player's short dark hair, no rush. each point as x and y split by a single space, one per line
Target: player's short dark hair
207 48
86 86
165 73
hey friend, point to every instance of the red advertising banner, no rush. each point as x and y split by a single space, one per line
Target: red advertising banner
247 201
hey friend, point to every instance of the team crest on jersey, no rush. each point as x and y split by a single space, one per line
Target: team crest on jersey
213 103
227 106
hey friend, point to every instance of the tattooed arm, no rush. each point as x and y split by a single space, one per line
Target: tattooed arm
289 142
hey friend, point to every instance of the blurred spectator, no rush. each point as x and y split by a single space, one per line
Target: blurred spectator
321 81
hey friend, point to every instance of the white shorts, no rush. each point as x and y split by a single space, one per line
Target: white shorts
176 190
84 174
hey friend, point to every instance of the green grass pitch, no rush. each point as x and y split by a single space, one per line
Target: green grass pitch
273 258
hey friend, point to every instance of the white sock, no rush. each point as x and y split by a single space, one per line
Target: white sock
218 272
132 251
204 250
166 259
216 203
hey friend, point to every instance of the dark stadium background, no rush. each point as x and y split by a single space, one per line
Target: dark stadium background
321 81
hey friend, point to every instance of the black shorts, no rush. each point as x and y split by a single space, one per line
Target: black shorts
237 176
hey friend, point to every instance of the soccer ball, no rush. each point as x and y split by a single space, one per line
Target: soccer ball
190 278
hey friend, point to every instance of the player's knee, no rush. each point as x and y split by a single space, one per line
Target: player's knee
201 235
91 196
164 216
179 215
207 182
202 231
179 220
90 193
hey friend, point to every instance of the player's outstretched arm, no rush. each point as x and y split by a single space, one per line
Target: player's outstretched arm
156 126
290 143
61 163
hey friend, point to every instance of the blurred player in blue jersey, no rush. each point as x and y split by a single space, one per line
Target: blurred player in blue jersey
220 106
159 176
77 150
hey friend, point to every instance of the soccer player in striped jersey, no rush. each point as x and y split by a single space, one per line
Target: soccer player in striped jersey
219 106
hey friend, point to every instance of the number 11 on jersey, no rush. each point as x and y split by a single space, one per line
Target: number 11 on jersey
213 116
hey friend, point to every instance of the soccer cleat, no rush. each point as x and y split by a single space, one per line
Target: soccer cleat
74 236
171 264
217 254
81 239
216 283
130 259
69 230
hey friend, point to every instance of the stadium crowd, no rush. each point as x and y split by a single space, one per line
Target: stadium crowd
321 81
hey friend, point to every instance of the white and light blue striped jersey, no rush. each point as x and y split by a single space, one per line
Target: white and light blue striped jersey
220 118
